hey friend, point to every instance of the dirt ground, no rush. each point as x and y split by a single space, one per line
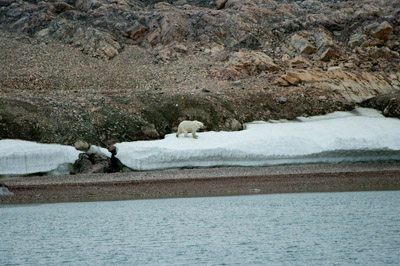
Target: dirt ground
203 183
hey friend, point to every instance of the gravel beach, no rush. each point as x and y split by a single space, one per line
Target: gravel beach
203 182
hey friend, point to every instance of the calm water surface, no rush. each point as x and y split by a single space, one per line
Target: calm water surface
355 228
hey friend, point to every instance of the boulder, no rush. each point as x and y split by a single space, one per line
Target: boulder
291 79
356 40
101 163
281 81
150 131
389 104
60 7
302 45
92 163
380 31
221 4
81 145
328 54
97 169
246 64
299 62
323 40
281 99
172 52
392 109
231 124
83 164
136 31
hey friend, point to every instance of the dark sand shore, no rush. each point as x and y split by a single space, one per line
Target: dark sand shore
203 182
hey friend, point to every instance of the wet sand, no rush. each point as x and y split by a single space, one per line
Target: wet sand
203 182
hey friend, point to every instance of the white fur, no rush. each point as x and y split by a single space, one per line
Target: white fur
186 127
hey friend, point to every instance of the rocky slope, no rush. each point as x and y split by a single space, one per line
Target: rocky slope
132 69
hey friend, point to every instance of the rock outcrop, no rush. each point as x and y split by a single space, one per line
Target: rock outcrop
246 64
350 86
389 104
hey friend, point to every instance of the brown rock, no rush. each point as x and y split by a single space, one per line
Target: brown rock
109 51
179 47
302 45
97 169
150 131
281 82
299 63
291 79
328 54
111 146
351 86
81 145
246 64
172 52
382 31
60 7
137 31
174 28
221 4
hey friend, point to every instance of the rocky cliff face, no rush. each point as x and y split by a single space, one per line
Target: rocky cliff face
131 69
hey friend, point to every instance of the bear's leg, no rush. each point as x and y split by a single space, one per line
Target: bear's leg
185 133
194 135
179 132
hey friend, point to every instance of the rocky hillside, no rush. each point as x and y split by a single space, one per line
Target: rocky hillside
132 69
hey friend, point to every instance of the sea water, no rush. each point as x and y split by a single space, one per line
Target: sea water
352 228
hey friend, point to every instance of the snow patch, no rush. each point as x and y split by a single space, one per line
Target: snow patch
19 157
360 135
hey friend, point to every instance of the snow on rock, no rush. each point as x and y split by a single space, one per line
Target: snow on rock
24 157
96 149
360 135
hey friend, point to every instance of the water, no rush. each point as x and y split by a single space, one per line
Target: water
354 228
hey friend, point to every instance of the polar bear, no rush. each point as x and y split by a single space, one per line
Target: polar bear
186 127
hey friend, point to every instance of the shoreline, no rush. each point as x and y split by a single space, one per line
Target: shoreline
203 182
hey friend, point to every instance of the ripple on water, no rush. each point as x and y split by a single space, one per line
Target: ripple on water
356 228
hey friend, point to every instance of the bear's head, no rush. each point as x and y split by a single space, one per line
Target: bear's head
199 124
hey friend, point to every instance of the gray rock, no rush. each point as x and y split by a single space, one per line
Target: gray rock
231 124
281 99
389 104
83 164
356 40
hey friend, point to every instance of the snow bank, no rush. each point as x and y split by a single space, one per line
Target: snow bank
24 157
361 135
